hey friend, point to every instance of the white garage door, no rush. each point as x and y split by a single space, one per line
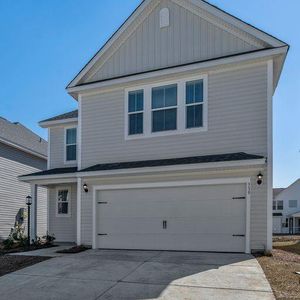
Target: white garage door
200 218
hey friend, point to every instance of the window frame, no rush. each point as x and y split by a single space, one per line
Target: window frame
277 204
68 215
181 108
135 112
65 145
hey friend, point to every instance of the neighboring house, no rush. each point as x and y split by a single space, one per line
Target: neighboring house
172 134
21 151
286 209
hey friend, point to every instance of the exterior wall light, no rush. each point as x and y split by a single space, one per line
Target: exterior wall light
259 179
85 188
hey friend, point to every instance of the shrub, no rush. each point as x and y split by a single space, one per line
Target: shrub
49 238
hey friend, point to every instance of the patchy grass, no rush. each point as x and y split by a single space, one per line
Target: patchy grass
281 267
12 263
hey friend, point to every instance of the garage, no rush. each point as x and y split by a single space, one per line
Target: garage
176 217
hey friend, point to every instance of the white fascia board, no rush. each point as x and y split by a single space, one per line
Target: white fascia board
109 43
243 57
23 149
71 176
48 124
173 168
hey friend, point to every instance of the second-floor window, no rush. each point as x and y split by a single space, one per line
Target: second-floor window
279 205
293 203
194 104
135 112
71 144
164 108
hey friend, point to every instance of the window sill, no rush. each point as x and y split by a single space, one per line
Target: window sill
63 215
166 133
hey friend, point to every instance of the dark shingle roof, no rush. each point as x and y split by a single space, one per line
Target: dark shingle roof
56 171
68 115
21 136
277 191
155 163
173 161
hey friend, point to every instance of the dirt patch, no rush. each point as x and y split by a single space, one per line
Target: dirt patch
11 263
4 251
286 238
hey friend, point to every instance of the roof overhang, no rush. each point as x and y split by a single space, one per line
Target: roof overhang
295 215
58 122
72 177
277 54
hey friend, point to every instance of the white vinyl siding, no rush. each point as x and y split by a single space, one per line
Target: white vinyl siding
64 229
14 163
237 110
151 47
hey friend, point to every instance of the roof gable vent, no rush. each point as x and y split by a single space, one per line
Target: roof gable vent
164 17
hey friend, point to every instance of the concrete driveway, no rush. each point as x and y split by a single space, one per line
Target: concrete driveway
112 274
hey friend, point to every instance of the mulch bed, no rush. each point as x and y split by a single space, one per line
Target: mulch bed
22 249
12 263
73 250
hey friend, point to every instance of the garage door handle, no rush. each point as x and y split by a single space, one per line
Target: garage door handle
164 224
236 235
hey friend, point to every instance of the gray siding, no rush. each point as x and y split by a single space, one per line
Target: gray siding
237 121
14 163
150 47
258 219
57 151
64 228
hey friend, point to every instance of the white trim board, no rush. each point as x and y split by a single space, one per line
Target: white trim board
219 181
58 122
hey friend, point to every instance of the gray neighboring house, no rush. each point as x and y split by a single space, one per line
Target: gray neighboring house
171 146
21 151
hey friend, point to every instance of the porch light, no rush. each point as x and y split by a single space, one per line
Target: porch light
259 178
85 188
28 200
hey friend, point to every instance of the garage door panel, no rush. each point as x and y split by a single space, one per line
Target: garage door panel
199 218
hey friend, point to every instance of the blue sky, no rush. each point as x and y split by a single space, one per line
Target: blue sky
45 43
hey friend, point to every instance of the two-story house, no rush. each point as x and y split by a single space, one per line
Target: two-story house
286 210
171 146
21 151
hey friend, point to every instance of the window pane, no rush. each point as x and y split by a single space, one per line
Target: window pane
293 203
198 115
63 208
71 136
63 195
190 116
274 205
136 123
158 97
199 91
189 93
280 205
158 120
71 152
171 119
136 101
139 100
131 101
171 95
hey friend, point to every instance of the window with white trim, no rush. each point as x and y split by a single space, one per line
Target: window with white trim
164 108
135 112
194 103
71 144
274 205
63 202
279 205
293 203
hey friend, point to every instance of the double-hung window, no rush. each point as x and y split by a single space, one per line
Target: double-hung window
279 205
164 108
71 144
293 203
63 202
135 112
194 103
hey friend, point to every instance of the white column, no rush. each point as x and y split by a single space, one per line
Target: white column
33 213
79 186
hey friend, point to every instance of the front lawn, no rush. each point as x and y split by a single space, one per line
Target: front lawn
12 263
281 267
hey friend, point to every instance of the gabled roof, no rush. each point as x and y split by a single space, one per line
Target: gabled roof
18 136
225 19
277 191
